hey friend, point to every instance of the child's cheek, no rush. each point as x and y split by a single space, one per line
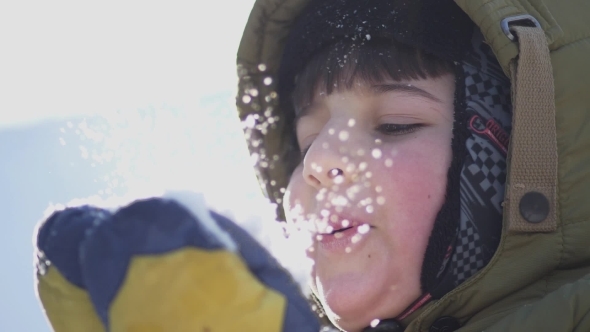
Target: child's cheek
416 181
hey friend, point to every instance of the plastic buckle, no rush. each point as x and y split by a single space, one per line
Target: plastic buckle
522 20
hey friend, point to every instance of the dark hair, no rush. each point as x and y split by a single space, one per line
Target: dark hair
340 65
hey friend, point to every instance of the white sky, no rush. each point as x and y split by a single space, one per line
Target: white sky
161 75
175 58
76 57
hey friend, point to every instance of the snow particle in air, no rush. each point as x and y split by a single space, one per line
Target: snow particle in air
343 135
376 153
375 322
363 229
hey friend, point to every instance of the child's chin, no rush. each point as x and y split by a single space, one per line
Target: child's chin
352 319
353 301
347 322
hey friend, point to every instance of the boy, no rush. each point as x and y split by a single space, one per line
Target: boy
391 137
382 128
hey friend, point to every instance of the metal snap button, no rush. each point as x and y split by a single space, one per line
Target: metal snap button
445 324
534 207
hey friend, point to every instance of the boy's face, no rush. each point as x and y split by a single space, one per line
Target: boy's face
376 173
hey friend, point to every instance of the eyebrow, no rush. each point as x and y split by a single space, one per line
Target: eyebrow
380 89
406 88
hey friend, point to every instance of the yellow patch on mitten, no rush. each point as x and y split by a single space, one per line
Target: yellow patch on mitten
67 306
194 290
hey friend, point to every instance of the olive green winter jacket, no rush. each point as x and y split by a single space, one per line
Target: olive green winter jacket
539 278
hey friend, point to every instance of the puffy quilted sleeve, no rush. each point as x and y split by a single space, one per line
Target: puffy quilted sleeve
154 266
565 310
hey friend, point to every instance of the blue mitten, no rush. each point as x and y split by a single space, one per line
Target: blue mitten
155 266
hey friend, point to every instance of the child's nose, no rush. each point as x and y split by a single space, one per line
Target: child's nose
327 163
324 178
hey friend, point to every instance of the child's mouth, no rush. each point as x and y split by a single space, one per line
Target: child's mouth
339 230
343 240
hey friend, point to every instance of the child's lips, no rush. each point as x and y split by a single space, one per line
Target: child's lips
331 230
339 230
343 240
338 222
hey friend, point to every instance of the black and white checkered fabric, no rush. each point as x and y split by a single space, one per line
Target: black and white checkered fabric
468 257
483 176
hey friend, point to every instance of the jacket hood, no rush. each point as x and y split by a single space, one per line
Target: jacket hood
525 259
436 27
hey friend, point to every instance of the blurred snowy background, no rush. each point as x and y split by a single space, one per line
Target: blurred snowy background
107 99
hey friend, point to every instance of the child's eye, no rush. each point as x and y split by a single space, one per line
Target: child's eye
394 129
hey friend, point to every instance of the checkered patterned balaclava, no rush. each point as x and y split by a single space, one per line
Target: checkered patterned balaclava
483 175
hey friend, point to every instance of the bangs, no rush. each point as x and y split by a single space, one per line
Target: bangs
343 64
